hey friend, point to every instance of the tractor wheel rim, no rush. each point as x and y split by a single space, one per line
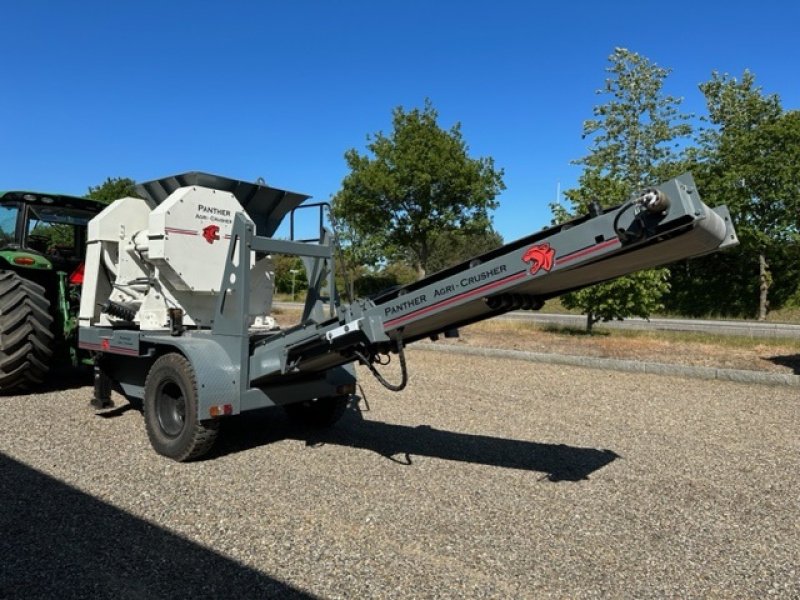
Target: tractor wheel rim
171 408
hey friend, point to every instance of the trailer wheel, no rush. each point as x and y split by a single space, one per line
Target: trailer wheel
318 413
170 410
26 339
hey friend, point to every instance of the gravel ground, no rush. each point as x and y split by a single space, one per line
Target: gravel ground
485 478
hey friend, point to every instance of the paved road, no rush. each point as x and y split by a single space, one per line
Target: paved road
754 329
486 478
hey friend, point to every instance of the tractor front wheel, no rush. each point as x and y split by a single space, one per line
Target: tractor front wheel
26 337
170 410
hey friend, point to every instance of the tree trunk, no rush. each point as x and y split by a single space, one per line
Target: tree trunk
345 270
422 259
763 287
589 322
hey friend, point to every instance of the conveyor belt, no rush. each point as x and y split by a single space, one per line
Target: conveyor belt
522 273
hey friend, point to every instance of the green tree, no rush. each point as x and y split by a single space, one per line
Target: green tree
372 281
636 134
414 184
453 247
287 281
447 249
113 188
356 253
636 295
750 160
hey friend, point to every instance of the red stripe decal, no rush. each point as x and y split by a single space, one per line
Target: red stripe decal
586 251
449 301
181 231
111 349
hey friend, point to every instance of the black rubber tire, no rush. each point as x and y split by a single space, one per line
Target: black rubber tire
318 413
26 336
170 410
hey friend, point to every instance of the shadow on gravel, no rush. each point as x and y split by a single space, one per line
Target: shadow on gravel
787 360
399 443
58 380
58 542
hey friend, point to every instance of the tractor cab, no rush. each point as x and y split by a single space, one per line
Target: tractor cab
44 231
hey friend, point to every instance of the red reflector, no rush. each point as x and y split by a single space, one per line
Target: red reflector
220 410
77 276
24 260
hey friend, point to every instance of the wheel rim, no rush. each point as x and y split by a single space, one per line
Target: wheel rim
171 408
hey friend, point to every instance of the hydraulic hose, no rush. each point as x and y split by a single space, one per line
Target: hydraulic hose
621 234
403 368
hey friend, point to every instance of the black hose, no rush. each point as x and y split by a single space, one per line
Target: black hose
621 234
403 368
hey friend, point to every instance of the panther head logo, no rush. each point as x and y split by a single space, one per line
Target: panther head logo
211 233
539 256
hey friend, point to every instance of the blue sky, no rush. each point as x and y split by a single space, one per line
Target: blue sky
280 90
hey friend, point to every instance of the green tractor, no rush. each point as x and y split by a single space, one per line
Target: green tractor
42 246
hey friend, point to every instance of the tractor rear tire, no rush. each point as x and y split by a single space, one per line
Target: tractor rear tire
318 413
26 336
170 410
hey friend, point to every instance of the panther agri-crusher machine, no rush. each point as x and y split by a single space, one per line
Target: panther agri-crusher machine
177 297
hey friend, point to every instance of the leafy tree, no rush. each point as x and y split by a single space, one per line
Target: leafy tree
400 271
636 295
636 135
636 132
365 281
414 184
453 247
285 280
725 284
113 188
751 161
393 274
356 253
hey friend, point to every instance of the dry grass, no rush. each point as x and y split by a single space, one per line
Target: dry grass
788 314
690 348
